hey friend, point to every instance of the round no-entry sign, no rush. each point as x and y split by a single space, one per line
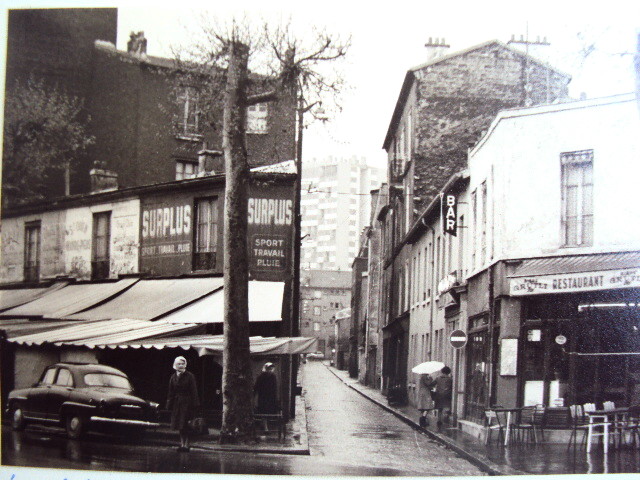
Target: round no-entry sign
458 339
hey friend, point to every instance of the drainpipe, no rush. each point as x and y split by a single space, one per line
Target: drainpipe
433 276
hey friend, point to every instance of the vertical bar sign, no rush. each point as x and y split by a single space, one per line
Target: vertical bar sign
449 214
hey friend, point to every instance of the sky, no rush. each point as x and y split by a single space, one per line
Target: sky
389 39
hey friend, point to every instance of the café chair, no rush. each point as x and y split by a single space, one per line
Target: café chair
496 421
529 425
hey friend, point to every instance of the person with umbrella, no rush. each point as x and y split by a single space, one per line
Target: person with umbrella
443 390
425 400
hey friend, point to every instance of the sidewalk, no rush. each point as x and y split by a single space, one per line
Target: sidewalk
295 441
512 460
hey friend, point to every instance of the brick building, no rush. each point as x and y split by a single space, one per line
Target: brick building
144 116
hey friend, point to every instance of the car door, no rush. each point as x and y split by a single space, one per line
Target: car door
38 396
59 392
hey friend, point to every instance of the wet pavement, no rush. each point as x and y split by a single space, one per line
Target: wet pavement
347 427
512 460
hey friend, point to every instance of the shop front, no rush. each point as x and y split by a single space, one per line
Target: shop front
580 331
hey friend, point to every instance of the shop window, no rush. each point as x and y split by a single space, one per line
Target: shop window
32 251
100 245
204 255
185 170
577 198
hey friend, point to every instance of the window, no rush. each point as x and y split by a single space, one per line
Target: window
204 255
100 247
48 377
474 227
317 311
257 118
64 378
32 251
189 113
577 198
185 169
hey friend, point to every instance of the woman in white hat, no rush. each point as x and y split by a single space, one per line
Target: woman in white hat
182 400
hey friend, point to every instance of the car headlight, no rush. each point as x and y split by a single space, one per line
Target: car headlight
154 405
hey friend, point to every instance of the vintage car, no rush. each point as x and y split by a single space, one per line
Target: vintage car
79 397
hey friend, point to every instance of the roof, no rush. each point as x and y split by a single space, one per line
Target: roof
63 302
288 166
547 109
410 77
532 267
16 327
150 299
131 192
336 279
265 305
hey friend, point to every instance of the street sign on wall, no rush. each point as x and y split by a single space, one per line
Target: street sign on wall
458 339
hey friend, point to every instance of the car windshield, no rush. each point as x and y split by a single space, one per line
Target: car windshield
106 380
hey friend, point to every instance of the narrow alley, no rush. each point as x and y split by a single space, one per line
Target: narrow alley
346 427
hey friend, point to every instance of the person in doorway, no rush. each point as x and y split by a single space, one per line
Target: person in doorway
425 398
266 392
443 389
182 400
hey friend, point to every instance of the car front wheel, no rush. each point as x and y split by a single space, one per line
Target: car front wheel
17 419
76 425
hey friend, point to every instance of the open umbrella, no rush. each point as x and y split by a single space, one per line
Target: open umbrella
427 368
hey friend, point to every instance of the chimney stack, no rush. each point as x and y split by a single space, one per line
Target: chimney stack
137 44
103 180
436 48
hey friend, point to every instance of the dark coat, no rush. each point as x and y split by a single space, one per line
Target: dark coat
443 384
266 388
182 399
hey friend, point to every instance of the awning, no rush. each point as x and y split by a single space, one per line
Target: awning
213 344
150 299
265 305
10 298
63 302
23 326
92 333
576 264
575 273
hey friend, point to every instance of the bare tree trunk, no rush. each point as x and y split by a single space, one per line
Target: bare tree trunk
237 382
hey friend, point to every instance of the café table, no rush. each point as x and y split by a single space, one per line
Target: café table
509 412
611 422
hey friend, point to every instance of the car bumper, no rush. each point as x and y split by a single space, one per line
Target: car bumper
122 421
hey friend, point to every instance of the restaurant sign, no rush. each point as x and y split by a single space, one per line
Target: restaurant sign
575 282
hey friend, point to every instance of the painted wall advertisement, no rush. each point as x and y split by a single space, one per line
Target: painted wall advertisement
575 282
168 232
270 228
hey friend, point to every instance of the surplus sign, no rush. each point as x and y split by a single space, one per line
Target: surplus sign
269 226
